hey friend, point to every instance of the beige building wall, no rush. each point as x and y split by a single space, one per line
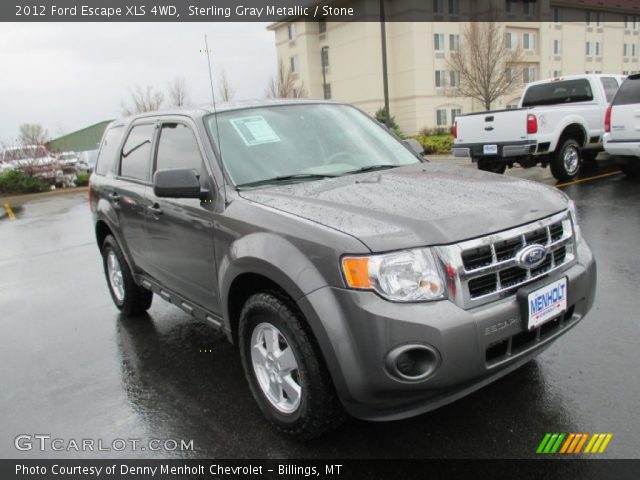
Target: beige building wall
557 46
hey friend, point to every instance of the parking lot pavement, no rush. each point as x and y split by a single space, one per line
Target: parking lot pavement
72 368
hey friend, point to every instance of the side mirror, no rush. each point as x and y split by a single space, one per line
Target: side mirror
414 145
177 183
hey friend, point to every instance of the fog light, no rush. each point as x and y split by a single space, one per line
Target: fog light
412 362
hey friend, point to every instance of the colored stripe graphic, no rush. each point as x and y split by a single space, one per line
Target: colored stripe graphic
573 443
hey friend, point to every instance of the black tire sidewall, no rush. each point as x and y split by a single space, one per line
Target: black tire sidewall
256 314
558 168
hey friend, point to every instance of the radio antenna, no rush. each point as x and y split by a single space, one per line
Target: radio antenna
215 115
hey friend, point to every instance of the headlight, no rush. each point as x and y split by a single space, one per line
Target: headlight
404 276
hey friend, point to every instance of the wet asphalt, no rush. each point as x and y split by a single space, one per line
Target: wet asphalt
71 367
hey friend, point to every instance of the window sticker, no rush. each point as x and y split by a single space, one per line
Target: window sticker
254 130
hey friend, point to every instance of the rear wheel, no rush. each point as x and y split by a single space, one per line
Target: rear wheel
566 161
130 298
631 167
285 369
492 165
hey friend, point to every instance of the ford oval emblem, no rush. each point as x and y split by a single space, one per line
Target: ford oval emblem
531 256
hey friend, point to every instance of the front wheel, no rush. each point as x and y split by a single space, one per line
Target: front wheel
566 162
491 165
130 298
285 369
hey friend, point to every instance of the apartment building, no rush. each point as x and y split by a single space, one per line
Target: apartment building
342 60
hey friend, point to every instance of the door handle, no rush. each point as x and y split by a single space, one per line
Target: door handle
155 209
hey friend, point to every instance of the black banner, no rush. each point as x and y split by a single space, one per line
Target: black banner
305 10
327 469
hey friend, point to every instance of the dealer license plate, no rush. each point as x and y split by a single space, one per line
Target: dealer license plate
490 149
547 302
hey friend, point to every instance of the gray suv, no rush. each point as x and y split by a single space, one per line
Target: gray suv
354 276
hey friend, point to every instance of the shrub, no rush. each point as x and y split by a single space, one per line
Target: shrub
381 117
82 179
427 132
435 143
17 181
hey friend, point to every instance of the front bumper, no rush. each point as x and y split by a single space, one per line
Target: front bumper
356 330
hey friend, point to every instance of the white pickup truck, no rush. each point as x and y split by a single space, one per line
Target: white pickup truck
559 122
622 127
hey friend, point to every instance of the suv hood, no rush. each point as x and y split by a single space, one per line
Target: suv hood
418 205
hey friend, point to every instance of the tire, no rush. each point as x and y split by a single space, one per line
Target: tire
567 160
288 380
131 299
631 168
490 165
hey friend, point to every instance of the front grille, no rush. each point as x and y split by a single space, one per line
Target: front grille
486 268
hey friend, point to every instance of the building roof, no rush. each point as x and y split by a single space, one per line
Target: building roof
82 140
609 5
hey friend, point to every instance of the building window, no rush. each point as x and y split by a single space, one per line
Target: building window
322 26
294 64
557 15
454 7
291 31
588 48
454 113
454 42
594 17
438 6
634 50
441 117
625 50
597 49
529 7
556 47
557 73
324 57
454 78
327 91
508 6
438 41
529 74
511 40
512 73
529 41
440 78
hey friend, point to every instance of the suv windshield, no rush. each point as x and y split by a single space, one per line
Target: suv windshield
302 143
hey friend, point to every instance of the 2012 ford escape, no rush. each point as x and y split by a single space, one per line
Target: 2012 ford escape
355 276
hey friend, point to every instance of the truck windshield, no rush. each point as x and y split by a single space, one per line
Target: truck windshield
558 92
303 142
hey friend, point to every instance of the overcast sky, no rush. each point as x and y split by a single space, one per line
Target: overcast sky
68 76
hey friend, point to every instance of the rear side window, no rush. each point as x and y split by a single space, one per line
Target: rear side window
108 150
555 93
610 86
629 91
136 154
178 148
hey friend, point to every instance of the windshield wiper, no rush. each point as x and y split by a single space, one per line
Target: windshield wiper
285 178
370 168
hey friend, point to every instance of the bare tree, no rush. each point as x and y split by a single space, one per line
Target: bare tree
32 134
143 100
487 67
178 92
285 84
225 90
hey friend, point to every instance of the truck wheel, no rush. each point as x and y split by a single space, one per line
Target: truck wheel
631 168
566 161
130 298
490 165
285 369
